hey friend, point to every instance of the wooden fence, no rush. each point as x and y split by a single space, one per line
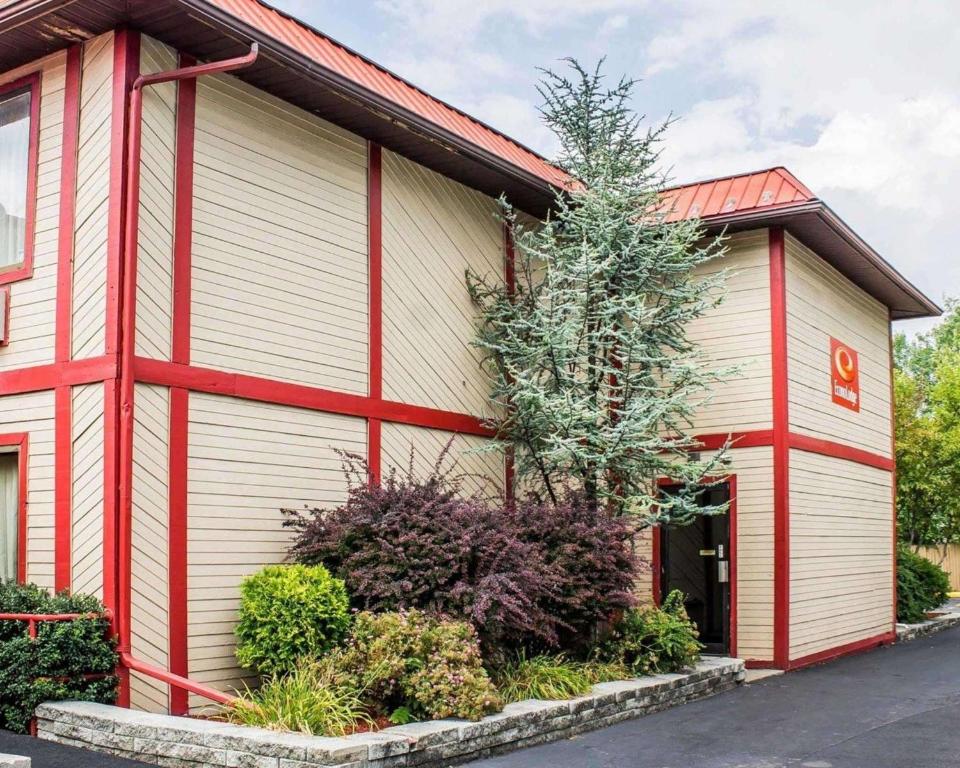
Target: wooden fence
948 558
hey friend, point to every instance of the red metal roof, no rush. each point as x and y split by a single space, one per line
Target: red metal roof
753 192
349 64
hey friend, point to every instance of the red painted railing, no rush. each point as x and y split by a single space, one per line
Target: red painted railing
127 661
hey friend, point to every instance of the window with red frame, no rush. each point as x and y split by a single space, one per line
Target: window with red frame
18 126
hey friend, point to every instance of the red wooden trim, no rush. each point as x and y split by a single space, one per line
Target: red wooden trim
110 481
759 664
177 546
126 64
781 451
375 307
39 378
24 271
656 576
5 336
840 451
21 441
214 382
68 200
183 214
63 487
893 470
177 530
374 449
732 557
510 279
375 229
857 646
716 441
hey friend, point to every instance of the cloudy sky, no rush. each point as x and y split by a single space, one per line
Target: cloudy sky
861 99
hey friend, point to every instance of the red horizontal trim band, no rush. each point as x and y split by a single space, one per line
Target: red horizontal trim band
839 451
759 664
764 437
857 646
41 377
754 439
240 385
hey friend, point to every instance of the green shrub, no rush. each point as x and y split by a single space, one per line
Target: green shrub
67 660
651 640
289 612
921 586
553 677
313 698
429 666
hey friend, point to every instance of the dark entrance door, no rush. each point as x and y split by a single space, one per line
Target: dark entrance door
695 559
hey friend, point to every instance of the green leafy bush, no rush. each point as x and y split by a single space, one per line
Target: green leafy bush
289 612
921 586
651 640
314 698
72 660
429 666
553 677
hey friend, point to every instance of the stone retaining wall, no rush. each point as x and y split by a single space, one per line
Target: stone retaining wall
189 743
907 632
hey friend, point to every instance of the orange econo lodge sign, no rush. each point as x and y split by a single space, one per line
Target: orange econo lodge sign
844 375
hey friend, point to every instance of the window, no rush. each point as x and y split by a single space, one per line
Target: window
13 506
9 514
19 106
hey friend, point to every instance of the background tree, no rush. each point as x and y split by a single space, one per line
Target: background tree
927 391
589 355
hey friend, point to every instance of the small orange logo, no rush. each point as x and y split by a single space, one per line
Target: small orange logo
844 375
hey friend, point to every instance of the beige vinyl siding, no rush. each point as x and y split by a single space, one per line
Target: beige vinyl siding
433 230
87 492
737 334
93 198
149 636
754 470
247 460
643 584
34 414
279 242
33 301
479 471
155 257
822 303
841 545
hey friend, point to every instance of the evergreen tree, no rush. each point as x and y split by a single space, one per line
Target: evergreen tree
589 353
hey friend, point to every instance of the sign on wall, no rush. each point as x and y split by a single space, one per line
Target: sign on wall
844 375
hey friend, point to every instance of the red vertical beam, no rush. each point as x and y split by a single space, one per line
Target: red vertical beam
126 58
63 453
510 279
126 64
375 278
178 524
656 589
732 559
781 451
893 472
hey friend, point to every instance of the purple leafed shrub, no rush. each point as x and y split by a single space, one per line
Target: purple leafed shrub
529 576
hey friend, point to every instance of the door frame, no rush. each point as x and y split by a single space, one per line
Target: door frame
656 565
18 442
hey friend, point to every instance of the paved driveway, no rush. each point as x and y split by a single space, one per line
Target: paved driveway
896 707
46 754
